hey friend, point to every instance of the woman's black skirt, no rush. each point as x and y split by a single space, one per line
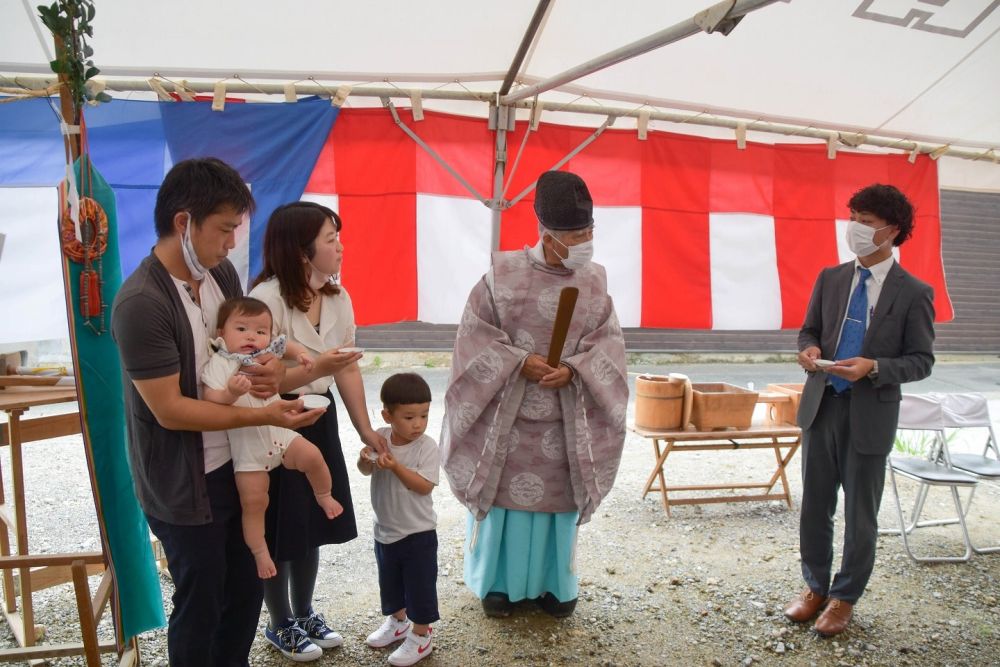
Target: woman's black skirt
295 524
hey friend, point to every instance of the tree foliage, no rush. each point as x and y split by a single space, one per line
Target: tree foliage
71 23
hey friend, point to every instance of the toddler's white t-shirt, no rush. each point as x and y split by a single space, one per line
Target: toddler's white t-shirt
398 511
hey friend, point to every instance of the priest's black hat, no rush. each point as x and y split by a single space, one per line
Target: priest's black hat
563 202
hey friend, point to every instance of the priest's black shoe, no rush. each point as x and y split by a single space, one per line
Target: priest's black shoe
497 605
553 607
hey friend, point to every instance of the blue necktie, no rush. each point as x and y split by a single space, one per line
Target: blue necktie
855 324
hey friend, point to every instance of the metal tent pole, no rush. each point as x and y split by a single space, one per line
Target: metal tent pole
722 17
499 165
522 50
500 153
569 156
430 151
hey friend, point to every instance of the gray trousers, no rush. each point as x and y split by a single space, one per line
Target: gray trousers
829 462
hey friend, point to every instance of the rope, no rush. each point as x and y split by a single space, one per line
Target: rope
19 94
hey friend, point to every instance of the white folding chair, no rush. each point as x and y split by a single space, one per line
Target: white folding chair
970 411
926 413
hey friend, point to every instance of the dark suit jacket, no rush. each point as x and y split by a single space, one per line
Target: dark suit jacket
900 337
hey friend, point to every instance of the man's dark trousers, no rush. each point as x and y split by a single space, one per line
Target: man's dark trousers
829 461
218 595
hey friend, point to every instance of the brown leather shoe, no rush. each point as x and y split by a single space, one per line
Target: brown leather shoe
804 607
834 618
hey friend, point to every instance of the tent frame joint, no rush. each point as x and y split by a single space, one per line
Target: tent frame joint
718 18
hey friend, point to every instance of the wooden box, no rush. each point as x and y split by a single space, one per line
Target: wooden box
721 405
785 413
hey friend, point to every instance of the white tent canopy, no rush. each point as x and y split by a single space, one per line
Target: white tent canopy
906 70
885 73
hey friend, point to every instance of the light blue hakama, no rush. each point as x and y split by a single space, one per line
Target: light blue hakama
522 554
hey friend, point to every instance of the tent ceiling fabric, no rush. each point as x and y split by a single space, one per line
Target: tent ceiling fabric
923 69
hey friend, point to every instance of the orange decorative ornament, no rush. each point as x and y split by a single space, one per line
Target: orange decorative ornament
87 250
93 229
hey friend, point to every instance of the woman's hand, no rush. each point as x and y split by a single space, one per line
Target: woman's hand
265 375
333 361
374 441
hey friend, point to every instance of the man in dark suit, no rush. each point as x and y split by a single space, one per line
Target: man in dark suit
876 321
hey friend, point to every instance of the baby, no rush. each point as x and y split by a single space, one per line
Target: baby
245 332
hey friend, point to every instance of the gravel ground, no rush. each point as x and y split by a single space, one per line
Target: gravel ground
704 587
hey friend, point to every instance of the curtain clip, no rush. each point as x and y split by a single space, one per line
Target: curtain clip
416 105
219 97
939 151
340 96
536 114
741 135
643 124
183 92
160 91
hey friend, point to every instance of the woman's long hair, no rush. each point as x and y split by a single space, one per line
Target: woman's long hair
291 235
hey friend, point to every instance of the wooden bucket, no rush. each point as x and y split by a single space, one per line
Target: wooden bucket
659 402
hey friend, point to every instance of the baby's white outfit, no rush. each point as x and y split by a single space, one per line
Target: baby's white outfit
253 447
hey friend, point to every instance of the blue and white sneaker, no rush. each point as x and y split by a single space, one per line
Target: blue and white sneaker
293 643
318 632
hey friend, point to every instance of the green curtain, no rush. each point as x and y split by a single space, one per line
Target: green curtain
124 531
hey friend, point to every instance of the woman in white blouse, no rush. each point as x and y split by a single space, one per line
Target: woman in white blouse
302 257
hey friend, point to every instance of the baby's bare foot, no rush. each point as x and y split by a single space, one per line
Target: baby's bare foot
331 507
265 566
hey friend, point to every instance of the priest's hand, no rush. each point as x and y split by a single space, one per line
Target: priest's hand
535 368
558 378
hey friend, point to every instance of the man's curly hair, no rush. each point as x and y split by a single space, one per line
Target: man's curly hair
888 203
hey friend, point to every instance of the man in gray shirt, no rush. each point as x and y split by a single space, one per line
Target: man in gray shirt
163 317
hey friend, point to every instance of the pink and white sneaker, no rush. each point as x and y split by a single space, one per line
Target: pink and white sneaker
414 649
391 631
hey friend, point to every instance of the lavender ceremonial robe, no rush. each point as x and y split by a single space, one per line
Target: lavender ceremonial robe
510 443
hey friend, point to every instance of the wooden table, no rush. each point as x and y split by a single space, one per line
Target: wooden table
768 436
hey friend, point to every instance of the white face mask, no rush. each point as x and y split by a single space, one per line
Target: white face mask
861 239
317 279
198 272
578 256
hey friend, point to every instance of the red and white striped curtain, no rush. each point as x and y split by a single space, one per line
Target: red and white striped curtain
695 233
